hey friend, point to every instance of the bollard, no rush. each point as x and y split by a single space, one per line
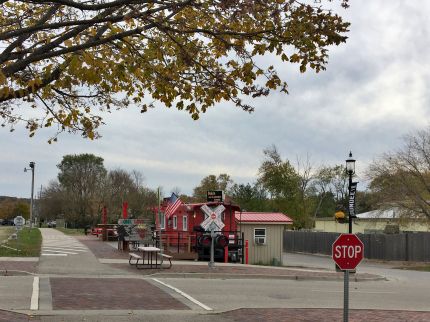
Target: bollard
246 251
225 254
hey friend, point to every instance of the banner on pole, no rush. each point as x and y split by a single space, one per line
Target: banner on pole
351 203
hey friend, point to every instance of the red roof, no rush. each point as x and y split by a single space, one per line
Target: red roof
277 217
212 203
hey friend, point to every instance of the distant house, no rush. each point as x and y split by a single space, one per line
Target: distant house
376 221
264 232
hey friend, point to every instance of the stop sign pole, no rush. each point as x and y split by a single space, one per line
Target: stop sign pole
350 170
347 252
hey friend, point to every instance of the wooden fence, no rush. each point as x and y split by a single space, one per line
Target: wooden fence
400 247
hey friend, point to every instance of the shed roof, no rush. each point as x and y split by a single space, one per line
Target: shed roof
275 217
379 214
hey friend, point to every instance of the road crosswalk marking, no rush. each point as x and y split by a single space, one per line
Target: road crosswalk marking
61 246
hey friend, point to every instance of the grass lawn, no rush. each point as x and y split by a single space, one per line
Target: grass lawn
27 245
71 231
423 268
5 232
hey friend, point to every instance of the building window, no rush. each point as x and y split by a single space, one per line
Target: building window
162 221
175 222
185 223
260 236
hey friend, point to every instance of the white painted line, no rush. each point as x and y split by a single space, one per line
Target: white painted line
58 251
192 299
44 254
34 304
64 248
64 245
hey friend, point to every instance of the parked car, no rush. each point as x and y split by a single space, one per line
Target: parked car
52 224
7 222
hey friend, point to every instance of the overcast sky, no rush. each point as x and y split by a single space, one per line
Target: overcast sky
375 90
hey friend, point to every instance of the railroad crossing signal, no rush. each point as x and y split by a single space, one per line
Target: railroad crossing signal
347 251
213 219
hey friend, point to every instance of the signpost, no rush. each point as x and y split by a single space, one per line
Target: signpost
19 221
211 223
215 195
347 253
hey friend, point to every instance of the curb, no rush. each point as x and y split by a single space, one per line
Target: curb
263 276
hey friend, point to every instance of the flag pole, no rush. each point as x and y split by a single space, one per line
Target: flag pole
160 244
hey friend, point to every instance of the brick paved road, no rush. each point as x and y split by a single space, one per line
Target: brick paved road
324 315
248 315
15 267
101 249
104 251
110 294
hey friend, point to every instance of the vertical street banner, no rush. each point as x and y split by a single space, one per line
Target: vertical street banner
351 202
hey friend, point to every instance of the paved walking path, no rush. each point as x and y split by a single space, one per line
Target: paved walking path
81 261
92 281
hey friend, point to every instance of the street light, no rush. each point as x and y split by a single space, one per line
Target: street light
32 166
350 165
350 170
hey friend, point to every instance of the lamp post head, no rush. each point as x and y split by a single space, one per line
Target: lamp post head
350 164
32 164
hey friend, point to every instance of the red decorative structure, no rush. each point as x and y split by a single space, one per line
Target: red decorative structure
246 251
125 210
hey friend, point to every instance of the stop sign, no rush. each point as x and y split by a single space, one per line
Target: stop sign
347 251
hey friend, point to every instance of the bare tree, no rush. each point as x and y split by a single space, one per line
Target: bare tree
402 178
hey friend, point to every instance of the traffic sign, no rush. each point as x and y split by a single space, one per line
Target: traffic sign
215 195
347 251
213 219
19 221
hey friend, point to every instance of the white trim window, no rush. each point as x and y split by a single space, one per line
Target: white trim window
162 221
260 236
175 222
185 223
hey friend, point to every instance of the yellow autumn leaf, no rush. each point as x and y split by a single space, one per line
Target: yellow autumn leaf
2 78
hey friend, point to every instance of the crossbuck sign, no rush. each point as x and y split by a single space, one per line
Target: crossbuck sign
213 219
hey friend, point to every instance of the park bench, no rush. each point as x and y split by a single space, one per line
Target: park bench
167 257
135 257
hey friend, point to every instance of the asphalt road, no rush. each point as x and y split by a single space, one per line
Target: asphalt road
403 290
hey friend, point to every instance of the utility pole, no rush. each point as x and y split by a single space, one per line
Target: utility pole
32 166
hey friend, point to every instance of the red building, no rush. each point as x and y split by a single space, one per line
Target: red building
182 232
190 216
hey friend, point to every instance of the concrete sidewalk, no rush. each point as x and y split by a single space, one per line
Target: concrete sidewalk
108 254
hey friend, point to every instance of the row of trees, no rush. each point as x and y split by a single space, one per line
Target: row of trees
84 187
300 190
11 207
398 179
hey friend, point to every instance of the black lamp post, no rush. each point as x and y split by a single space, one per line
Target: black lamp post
350 170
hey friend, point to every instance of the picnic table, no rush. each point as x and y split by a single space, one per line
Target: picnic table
149 257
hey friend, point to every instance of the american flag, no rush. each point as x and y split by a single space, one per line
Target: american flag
173 204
